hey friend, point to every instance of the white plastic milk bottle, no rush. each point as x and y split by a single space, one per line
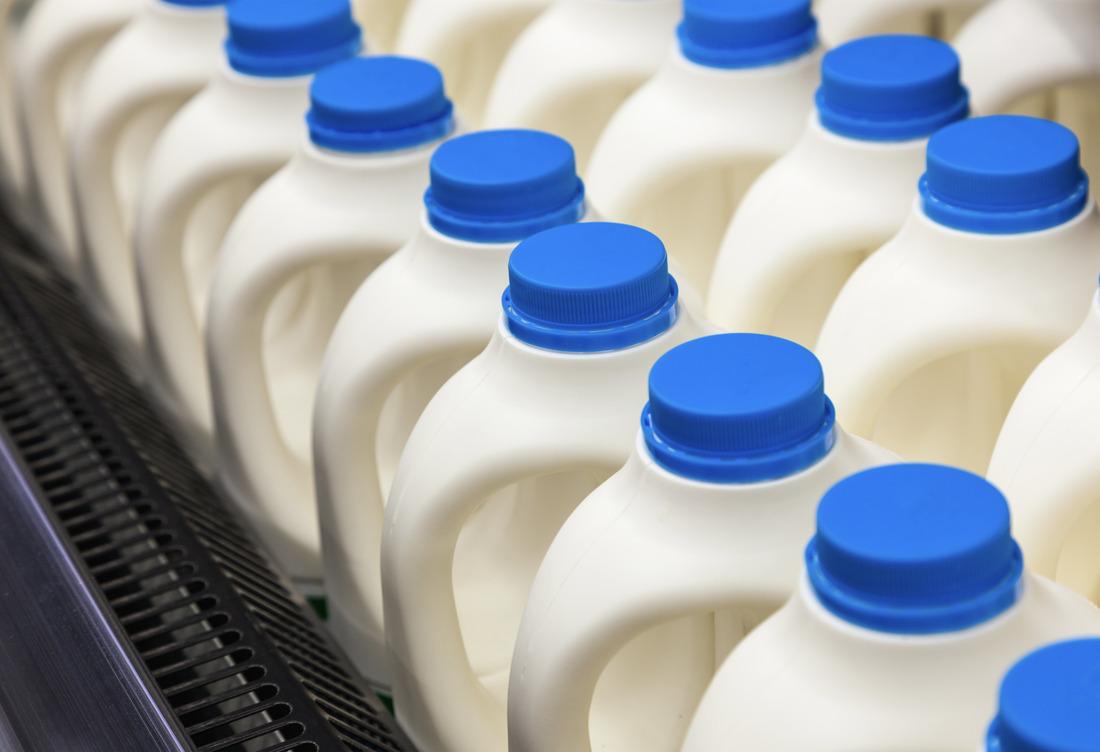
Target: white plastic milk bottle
417 320
573 67
143 76
502 455
729 98
297 250
468 40
914 603
845 188
845 20
226 141
1048 701
58 42
658 574
933 336
1053 70
1048 462
13 162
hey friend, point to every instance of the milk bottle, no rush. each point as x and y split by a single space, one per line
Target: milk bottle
845 188
58 42
729 98
501 456
468 40
347 200
419 318
697 538
13 14
845 20
1049 465
1053 70
913 604
573 67
234 134
143 76
1048 701
933 336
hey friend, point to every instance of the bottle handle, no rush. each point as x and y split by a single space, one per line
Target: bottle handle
105 109
184 166
1054 33
248 434
554 680
364 363
55 38
1044 430
436 690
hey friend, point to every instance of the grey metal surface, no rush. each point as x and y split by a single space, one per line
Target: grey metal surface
66 683
218 635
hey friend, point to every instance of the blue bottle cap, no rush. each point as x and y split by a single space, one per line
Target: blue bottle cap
1004 174
590 287
285 38
503 186
914 549
382 103
894 87
746 33
196 3
738 408
1050 701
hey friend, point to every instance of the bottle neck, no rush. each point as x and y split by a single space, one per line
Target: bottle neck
414 157
844 635
605 371
249 82
1081 222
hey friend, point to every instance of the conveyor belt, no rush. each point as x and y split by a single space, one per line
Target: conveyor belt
232 658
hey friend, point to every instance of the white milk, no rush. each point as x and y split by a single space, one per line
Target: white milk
659 573
845 20
57 44
143 76
297 250
502 455
468 40
380 20
1048 701
234 134
933 336
914 604
1048 463
845 188
13 162
1038 57
423 315
730 97
581 59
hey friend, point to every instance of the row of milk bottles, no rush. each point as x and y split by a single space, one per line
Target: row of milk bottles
393 341
504 65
